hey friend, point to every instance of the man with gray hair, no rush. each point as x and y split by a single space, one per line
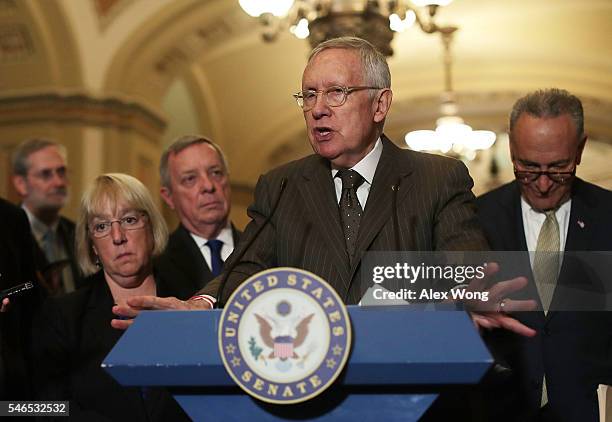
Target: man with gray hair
358 192
195 183
40 177
548 210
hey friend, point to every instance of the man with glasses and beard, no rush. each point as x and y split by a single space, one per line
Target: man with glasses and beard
548 210
41 180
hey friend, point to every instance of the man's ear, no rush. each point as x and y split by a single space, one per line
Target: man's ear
580 149
382 105
21 185
166 195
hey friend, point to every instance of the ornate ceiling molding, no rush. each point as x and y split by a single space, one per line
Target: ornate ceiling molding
181 34
196 42
81 109
15 43
108 10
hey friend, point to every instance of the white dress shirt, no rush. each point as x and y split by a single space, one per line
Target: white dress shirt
534 220
366 168
226 236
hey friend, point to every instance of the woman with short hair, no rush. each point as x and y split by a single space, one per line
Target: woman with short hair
119 231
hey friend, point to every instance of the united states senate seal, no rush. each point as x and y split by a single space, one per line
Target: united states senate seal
284 335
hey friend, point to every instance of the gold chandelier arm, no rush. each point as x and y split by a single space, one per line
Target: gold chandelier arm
319 20
447 38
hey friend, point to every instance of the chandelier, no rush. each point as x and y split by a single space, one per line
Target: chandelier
320 20
451 136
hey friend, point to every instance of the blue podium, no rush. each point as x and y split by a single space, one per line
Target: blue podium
398 360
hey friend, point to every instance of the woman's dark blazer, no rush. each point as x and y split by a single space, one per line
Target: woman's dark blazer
71 339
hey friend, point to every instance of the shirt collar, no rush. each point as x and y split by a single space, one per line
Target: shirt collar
226 236
367 166
559 213
39 229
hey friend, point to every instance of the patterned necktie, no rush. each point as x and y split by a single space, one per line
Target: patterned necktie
350 208
546 259
216 261
546 270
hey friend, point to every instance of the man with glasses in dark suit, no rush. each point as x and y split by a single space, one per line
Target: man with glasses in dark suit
548 210
40 177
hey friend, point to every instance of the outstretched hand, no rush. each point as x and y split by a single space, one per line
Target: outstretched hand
126 313
494 313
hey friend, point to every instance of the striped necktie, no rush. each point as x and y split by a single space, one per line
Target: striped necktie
546 270
546 259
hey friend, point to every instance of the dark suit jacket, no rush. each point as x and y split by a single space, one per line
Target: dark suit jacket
183 265
434 208
66 233
71 339
573 347
16 267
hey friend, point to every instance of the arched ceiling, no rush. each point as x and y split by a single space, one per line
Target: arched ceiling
34 54
242 87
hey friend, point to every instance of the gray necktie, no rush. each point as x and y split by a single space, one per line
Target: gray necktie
546 270
350 208
49 247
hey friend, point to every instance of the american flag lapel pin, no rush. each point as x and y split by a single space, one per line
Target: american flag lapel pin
581 224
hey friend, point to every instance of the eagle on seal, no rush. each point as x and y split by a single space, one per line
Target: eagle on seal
283 346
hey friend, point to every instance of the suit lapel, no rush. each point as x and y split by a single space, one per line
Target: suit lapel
66 233
320 199
514 240
580 227
188 257
380 199
99 314
514 233
579 233
236 236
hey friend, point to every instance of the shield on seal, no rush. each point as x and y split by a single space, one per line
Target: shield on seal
283 347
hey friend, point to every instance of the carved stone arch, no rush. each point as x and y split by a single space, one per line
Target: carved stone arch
43 51
39 67
174 44
168 46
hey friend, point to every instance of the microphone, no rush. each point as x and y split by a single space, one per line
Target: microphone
283 185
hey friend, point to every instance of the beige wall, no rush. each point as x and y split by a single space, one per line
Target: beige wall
100 136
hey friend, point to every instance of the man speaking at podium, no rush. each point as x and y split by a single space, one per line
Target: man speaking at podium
358 192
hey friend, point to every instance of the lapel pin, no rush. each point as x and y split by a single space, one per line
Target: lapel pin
581 224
